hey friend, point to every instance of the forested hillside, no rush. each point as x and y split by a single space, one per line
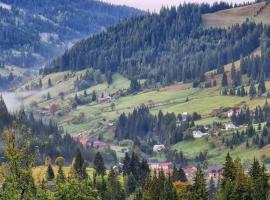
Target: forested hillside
164 48
31 32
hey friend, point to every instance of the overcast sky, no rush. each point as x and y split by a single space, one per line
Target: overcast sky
155 5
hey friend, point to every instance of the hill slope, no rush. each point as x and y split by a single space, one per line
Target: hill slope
164 48
259 12
31 32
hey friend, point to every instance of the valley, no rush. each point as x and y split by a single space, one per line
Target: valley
137 106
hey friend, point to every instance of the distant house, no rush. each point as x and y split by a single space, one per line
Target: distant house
105 99
184 116
81 138
214 171
99 145
165 166
158 148
198 134
230 126
190 171
233 111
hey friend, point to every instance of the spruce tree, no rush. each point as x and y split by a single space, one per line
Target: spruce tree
131 184
114 188
50 173
99 164
79 166
199 186
252 90
224 81
60 178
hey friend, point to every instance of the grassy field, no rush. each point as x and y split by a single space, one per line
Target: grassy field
17 71
168 99
229 17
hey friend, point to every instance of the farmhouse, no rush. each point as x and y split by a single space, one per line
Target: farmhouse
230 126
233 111
81 138
158 148
198 134
166 167
99 145
190 171
105 99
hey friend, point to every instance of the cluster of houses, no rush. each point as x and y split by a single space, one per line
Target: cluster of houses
84 139
214 172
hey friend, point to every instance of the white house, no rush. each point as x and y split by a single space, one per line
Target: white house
231 112
198 134
230 126
184 116
158 148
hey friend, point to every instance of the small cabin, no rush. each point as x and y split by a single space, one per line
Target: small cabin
198 134
105 99
158 148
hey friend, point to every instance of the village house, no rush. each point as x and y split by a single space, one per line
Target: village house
99 145
81 138
105 99
230 126
167 167
190 171
158 148
198 134
214 171
233 111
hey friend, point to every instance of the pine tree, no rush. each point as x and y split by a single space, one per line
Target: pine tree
242 186
94 96
50 173
60 178
228 172
199 187
99 164
114 188
252 90
259 181
49 82
40 83
131 184
212 189
79 166
224 81
126 164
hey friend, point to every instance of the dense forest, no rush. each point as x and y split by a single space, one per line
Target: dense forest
137 183
166 47
31 32
141 125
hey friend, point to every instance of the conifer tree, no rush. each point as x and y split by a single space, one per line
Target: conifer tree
50 173
114 188
252 90
198 189
60 178
79 166
99 164
131 184
49 82
224 81
259 181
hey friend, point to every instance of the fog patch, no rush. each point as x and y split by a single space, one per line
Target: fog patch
13 101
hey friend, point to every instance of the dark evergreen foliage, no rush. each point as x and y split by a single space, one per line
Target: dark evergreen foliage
46 27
